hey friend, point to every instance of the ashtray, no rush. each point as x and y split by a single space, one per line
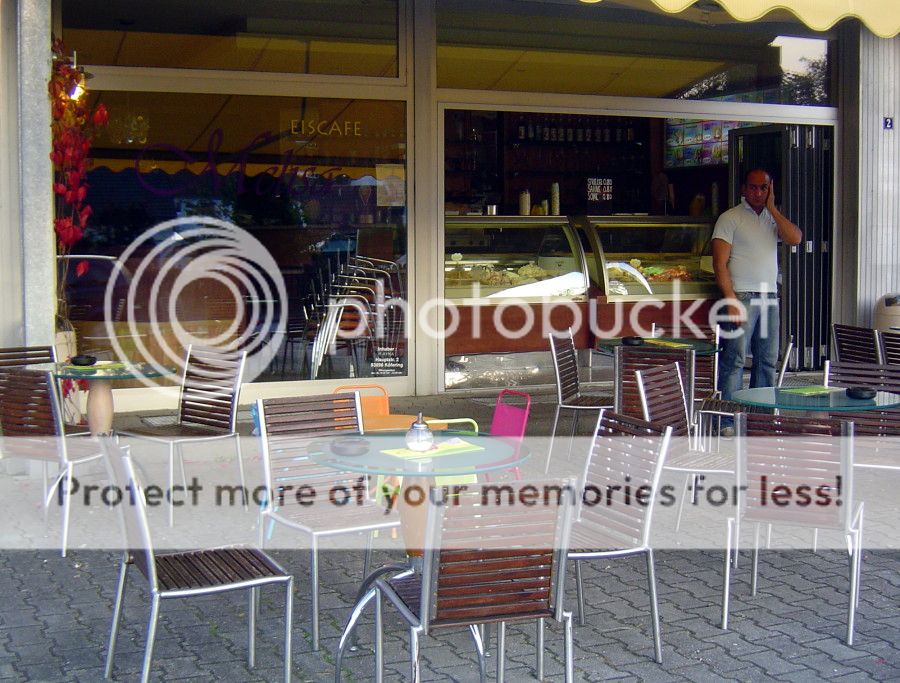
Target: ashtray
83 360
632 341
862 393
349 445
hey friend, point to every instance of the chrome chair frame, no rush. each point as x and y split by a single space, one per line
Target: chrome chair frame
849 520
188 573
644 456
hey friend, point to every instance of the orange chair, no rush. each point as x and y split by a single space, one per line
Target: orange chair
376 408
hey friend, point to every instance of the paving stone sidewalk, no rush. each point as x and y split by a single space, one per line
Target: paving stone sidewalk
55 614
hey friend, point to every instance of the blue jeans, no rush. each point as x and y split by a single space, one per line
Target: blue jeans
759 334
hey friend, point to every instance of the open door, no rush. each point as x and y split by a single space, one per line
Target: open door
800 159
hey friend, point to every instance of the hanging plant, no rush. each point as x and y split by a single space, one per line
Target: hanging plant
73 128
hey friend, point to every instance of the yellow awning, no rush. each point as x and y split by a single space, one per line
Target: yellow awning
882 17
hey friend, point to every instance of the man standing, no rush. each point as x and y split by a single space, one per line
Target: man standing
745 261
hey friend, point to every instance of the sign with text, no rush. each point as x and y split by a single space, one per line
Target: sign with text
599 195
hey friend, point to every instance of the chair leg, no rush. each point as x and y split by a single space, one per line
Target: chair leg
151 638
654 606
755 569
251 627
479 650
67 508
726 580
288 626
552 438
414 656
117 617
240 463
347 635
688 479
570 659
367 558
171 483
501 651
379 638
539 646
579 592
179 456
314 586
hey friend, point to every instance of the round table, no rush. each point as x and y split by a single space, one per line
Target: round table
826 400
702 347
100 408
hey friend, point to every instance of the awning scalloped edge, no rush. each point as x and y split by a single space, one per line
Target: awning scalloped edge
881 17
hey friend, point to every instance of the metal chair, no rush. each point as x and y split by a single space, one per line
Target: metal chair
32 428
624 449
890 347
288 428
207 410
790 453
855 344
188 573
20 356
878 450
663 401
629 359
485 562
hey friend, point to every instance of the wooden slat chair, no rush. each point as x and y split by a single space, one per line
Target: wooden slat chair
629 359
187 573
890 347
880 427
20 356
706 367
288 429
790 452
486 562
853 344
624 449
207 410
663 401
32 428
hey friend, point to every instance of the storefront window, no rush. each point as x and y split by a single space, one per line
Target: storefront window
343 37
611 49
319 183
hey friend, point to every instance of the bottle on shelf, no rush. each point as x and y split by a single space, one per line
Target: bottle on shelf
560 128
521 127
554 199
570 130
529 130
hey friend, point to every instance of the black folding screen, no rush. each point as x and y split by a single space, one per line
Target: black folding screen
800 159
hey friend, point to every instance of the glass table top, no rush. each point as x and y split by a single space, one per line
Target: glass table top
103 370
453 454
701 347
817 398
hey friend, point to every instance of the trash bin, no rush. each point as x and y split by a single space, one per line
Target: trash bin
887 313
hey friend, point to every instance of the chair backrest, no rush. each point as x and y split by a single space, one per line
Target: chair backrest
31 424
890 347
497 552
132 510
878 377
565 365
210 388
20 356
376 403
810 457
855 344
510 419
630 359
288 428
625 450
662 397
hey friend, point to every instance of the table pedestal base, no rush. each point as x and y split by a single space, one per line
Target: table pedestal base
100 407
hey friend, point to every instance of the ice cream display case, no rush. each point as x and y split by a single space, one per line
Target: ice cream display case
495 258
630 258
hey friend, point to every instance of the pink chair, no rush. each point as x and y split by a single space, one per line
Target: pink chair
511 419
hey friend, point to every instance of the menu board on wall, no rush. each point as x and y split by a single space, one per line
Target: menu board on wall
698 143
599 195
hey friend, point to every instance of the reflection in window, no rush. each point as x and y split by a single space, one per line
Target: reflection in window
320 183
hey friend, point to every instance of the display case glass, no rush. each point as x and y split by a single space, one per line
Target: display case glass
634 257
503 257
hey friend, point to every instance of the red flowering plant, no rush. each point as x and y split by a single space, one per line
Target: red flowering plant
73 128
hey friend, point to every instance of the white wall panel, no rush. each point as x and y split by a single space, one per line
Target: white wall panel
879 172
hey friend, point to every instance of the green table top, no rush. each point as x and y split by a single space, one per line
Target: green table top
106 370
701 347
